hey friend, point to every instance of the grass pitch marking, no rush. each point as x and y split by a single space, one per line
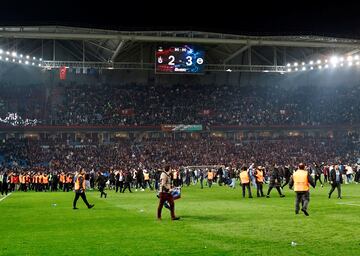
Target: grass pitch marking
349 204
5 197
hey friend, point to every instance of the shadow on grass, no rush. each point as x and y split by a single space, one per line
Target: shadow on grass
204 218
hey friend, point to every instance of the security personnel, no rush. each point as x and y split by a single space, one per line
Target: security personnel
210 177
245 181
300 180
259 174
101 181
80 190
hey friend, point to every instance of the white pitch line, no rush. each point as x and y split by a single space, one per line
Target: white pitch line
349 204
5 197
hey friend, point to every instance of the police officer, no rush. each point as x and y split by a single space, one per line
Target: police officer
300 180
80 190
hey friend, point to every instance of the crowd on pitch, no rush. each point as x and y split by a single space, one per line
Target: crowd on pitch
141 179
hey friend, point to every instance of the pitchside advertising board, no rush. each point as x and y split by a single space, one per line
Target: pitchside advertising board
185 59
181 127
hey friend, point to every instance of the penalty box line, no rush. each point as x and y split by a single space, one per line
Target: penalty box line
5 197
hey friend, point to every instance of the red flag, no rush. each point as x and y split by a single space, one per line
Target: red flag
62 73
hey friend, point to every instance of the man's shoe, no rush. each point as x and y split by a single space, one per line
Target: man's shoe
105 195
282 195
91 206
339 197
296 212
305 212
176 218
75 208
267 196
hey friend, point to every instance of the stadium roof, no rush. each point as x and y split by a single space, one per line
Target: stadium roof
111 49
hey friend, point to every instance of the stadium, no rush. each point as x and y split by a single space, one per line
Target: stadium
178 142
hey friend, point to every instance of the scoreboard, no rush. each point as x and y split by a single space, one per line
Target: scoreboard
179 59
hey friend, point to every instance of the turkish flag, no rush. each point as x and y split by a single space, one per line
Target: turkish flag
62 73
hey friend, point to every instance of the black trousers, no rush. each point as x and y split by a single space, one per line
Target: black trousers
4 189
246 185
83 196
318 178
101 189
259 189
287 180
126 186
277 188
304 199
333 186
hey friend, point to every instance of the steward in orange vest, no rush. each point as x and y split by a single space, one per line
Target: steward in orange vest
210 177
300 180
259 174
80 190
245 181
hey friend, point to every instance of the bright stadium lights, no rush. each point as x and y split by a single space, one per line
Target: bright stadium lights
303 63
357 63
295 64
356 57
341 64
26 62
289 69
326 61
334 60
296 69
334 66
341 59
27 57
311 68
39 65
303 69
33 63
288 65
228 70
320 67
350 63
1 51
349 58
326 66
311 62
7 53
14 60
40 59
19 58
21 55
7 59
34 58
318 61
20 61
14 54
0 57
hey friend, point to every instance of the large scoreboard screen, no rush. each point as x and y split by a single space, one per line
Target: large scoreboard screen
179 59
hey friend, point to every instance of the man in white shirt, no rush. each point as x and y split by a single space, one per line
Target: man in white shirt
165 193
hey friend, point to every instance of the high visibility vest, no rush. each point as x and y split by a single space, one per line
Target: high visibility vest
301 182
77 182
210 175
45 179
68 179
175 175
146 176
259 176
244 177
62 178
27 179
22 179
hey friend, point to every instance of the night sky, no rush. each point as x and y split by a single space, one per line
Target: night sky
270 18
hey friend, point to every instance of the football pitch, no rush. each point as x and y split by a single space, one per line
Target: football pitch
216 221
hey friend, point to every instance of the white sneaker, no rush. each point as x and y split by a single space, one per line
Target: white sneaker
142 189
135 189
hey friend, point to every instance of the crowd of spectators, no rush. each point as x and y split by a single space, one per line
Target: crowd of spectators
134 104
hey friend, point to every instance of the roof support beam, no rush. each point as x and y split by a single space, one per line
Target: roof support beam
242 49
255 41
117 51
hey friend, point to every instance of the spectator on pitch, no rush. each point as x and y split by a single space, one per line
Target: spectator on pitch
127 181
336 180
80 188
165 193
101 181
300 180
275 181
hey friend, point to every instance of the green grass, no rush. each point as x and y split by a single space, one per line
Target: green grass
216 221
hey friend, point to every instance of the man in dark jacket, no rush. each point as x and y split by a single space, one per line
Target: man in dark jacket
101 181
335 181
275 181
